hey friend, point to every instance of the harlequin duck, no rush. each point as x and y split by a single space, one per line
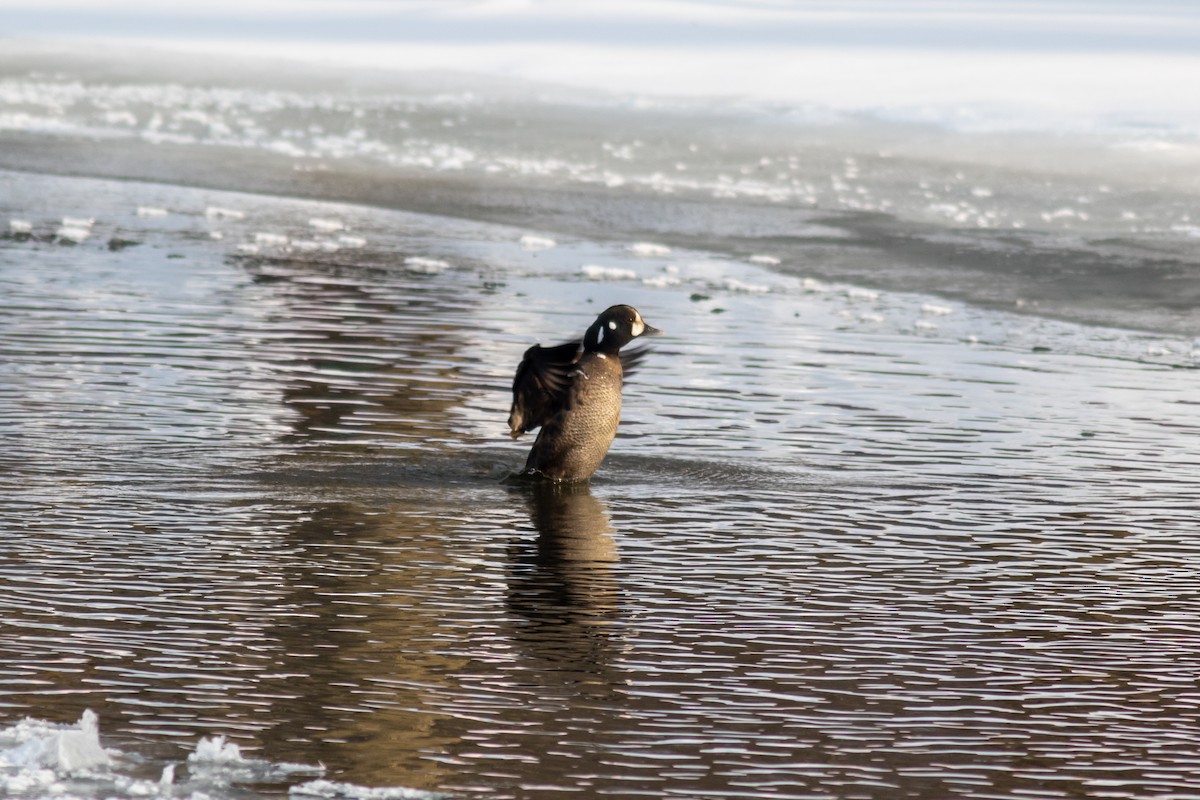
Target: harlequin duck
573 392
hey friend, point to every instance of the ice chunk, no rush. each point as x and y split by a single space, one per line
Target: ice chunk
530 242
736 285
596 272
45 746
349 791
151 211
327 225
78 222
216 212
648 249
216 750
352 241
934 310
862 295
661 281
20 226
270 239
427 266
765 260
73 233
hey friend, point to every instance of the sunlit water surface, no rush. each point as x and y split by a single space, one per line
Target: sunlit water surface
848 544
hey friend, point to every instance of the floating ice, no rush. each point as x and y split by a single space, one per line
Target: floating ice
151 211
215 750
427 266
42 745
73 233
865 295
353 242
934 310
661 281
270 239
249 248
218 760
216 212
20 226
41 759
765 260
735 285
78 222
925 326
596 272
648 249
349 791
1064 213
530 242
327 225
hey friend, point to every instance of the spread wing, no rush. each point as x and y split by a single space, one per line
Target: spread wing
632 359
540 385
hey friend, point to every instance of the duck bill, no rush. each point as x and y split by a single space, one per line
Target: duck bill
650 330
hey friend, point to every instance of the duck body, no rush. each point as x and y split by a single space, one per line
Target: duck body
573 393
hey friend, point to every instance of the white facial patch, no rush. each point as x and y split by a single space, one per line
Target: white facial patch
612 325
599 336
638 326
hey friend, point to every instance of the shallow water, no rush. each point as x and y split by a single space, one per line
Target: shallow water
848 543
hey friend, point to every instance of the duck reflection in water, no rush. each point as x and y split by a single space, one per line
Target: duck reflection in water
561 584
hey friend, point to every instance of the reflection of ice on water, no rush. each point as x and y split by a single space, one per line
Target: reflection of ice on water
40 759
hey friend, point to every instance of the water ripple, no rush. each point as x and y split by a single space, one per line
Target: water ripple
263 495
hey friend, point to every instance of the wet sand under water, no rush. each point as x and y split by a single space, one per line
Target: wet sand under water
848 543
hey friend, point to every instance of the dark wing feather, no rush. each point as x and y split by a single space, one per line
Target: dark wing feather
540 385
631 360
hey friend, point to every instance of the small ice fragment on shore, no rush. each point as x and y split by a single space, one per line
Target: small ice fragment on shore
426 266
73 234
216 212
327 225
20 226
765 260
78 222
648 249
151 211
270 239
858 294
934 310
352 241
596 272
168 776
530 242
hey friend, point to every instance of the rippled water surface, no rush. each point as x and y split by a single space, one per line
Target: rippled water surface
848 544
